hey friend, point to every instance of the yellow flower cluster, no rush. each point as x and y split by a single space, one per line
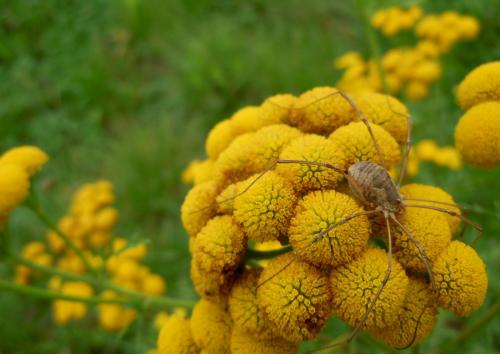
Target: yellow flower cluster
394 19
476 134
89 225
428 150
408 69
272 306
17 165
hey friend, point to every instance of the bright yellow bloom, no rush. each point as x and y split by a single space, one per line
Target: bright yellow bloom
295 297
114 317
243 343
106 218
219 138
211 285
211 327
313 148
198 207
175 336
394 19
426 149
276 109
315 213
348 60
64 310
480 85
461 279
153 284
14 187
356 143
415 321
477 135
355 285
264 210
198 172
30 158
417 90
320 111
248 119
427 72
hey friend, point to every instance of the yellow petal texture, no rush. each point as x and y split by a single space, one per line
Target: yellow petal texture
355 142
244 308
477 135
416 319
314 148
430 229
219 138
422 191
198 207
243 343
315 213
198 172
210 285
356 284
480 85
31 158
295 297
277 109
64 310
320 111
461 279
252 153
248 119
175 336
14 187
385 111
265 209
211 327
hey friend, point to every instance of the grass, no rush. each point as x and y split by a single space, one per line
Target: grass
127 91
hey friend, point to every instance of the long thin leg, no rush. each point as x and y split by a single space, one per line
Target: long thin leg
318 238
421 250
404 165
434 201
453 213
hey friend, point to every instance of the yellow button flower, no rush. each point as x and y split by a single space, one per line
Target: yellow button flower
315 213
461 279
64 310
211 326
356 284
113 317
295 297
277 109
30 158
176 337
14 187
198 207
480 85
243 343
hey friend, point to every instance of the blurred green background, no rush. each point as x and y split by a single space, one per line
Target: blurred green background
127 91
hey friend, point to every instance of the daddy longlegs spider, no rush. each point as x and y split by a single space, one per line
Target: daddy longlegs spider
374 189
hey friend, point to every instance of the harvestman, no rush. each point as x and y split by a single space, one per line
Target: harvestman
371 184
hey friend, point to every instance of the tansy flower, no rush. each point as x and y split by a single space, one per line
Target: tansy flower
225 200
480 85
219 138
210 285
431 230
244 343
461 279
198 172
211 327
14 187
422 191
175 336
114 317
477 135
318 211
385 111
314 148
276 109
415 321
427 72
355 285
64 310
252 153
106 219
153 284
264 210
428 48
248 119
245 309
416 90
356 143
348 60
295 297
321 111
198 207
30 158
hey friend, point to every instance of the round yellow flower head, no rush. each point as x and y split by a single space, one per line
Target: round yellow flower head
210 285
356 284
264 210
252 153
427 71
244 307
64 310
431 230
211 326
30 158
426 149
106 218
198 172
416 319
318 211
386 111
461 279
243 343
416 90
14 187
114 317
219 138
248 119
225 200
313 148
295 297
176 337
153 284
422 191
199 207
480 85
355 141
348 60
320 111
428 48
477 135
276 109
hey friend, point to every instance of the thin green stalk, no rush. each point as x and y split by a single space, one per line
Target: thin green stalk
256 254
470 331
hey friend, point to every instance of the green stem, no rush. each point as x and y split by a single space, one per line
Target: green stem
470 331
256 254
